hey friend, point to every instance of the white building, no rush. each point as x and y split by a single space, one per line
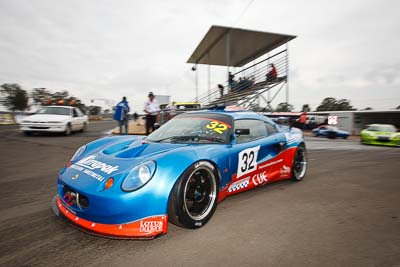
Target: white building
356 120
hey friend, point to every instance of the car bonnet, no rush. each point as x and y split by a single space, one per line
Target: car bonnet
93 170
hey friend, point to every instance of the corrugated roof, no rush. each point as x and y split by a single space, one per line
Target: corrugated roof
245 46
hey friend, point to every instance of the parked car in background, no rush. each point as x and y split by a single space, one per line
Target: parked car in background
330 132
380 134
62 119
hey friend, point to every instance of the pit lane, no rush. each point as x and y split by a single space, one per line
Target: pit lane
345 213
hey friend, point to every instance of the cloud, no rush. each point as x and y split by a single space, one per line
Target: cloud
109 49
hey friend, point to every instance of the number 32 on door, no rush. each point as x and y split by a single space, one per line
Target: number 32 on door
247 161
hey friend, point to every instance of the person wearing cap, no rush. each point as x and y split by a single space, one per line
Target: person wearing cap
152 109
121 115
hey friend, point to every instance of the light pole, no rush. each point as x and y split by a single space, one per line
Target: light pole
194 68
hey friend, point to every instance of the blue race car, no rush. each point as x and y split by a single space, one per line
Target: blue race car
131 186
330 131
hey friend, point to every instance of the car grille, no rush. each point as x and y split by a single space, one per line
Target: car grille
383 139
39 127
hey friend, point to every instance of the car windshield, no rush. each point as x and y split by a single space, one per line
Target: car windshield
54 110
194 128
382 128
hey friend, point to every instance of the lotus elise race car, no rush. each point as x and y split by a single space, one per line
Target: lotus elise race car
131 186
380 134
331 132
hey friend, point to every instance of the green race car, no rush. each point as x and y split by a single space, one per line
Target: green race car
380 134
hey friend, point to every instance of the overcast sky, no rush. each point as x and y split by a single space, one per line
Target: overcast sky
108 49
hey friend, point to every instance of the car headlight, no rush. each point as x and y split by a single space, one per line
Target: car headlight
139 176
78 152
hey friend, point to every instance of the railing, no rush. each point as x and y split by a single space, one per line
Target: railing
256 84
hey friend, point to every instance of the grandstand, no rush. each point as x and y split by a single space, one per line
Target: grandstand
241 48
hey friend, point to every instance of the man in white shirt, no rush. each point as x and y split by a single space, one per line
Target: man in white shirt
152 109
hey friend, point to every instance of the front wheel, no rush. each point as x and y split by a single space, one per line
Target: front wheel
194 197
300 162
331 135
84 127
68 130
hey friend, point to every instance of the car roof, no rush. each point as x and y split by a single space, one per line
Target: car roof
54 106
377 124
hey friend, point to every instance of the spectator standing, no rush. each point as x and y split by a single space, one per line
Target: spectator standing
121 115
303 120
152 109
231 80
272 74
221 89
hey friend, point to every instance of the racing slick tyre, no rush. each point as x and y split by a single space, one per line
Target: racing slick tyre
68 130
194 197
300 162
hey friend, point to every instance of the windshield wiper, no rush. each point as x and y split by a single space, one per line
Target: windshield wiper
170 137
189 137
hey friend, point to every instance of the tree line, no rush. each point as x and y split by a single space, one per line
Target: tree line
327 104
14 98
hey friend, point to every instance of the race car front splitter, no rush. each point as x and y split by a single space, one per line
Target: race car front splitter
146 228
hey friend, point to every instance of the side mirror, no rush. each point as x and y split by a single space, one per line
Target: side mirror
156 125
239 132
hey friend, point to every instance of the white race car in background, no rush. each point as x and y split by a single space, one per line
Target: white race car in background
64 119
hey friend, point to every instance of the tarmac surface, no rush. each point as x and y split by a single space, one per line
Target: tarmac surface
346 212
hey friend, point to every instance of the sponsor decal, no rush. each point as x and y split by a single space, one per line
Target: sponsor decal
78 168
149 227
144 228
243 183
217 126
92 174
92 164
247 161
270 163
285 170
259 178
89 164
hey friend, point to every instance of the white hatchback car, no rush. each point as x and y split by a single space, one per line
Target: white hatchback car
64 119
